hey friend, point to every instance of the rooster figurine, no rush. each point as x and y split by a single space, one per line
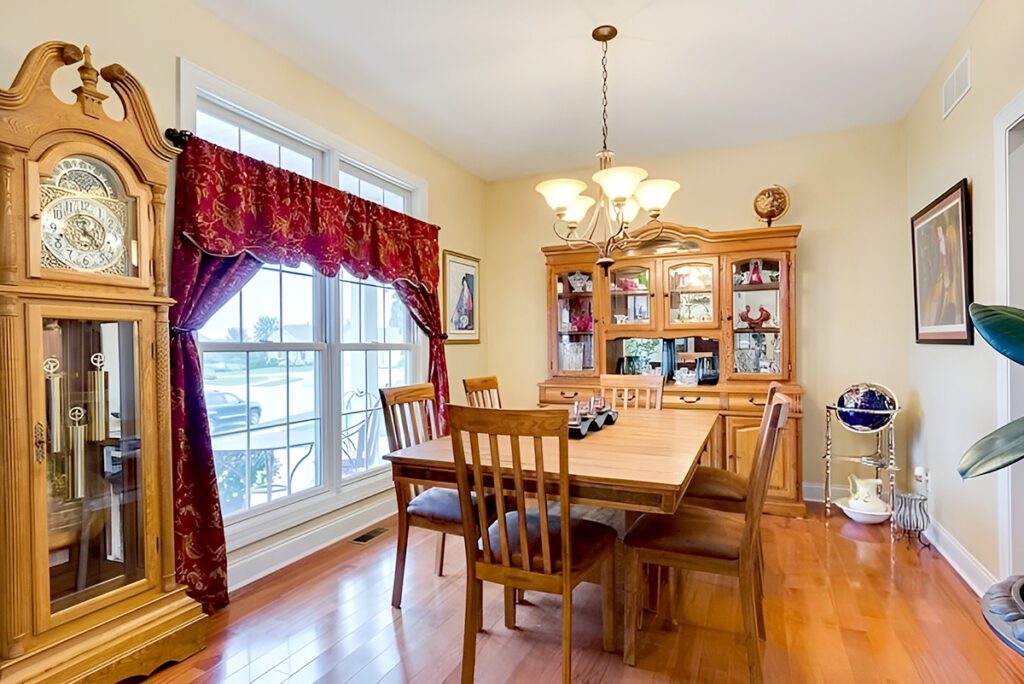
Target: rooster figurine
763 316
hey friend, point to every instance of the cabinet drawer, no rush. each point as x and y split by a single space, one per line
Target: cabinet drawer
565 394
692 400
747 401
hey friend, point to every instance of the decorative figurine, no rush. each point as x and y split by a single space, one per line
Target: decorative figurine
755 272
578 281
755 322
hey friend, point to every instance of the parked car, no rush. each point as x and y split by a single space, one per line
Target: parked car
228 411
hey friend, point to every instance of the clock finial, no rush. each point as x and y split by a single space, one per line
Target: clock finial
88 94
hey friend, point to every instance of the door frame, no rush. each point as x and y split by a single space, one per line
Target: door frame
1009 379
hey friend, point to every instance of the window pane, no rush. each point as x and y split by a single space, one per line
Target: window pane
353 381
224 385
230 458
258 147
297 291
302 457
267 461
356 428
261 307
396 318
302 386
297 162
268 402
392 200
348 183
401 374
371 191
225 325
378 371
216 130
372 314
350 311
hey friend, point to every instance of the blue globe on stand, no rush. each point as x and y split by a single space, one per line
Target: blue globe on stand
870 396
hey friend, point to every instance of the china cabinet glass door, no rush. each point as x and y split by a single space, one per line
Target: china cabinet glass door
630 293
89 444
759 345
691 293
575 322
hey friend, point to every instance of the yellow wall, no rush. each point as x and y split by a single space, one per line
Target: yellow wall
953 385
854 306
147 37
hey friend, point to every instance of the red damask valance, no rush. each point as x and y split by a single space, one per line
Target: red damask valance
239 204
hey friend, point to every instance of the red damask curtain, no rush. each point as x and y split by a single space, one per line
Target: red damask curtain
233 212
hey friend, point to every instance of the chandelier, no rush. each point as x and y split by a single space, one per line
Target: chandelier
622 192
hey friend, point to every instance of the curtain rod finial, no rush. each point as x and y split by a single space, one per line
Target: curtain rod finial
178 137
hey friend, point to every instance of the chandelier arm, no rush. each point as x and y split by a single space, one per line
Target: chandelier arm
573 243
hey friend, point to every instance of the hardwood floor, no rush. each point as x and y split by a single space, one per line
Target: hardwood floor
841 603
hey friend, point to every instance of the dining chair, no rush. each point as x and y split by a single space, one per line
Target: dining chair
707 540
526 548
719 488
625 391
482 392
410 417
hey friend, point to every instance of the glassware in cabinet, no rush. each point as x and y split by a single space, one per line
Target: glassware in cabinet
691 293
574 291
758 286
630 293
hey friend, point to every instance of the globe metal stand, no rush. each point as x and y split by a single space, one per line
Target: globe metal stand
882 460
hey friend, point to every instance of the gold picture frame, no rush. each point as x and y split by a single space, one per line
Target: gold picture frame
460 290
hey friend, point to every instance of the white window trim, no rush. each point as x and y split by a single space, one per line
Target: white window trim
334 493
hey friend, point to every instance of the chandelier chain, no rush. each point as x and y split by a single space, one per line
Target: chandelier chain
604 96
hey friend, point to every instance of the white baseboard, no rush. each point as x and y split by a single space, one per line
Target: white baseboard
815 491
260 563
967 566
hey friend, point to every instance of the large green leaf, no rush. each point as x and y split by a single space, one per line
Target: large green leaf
996 450
1002 327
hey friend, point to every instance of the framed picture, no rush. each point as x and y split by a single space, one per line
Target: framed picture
941 236
460 278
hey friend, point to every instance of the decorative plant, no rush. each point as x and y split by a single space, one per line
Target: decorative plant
1003 328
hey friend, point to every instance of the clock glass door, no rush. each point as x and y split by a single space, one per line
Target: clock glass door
87 219
90 441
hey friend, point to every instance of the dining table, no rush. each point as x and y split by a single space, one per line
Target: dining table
640 464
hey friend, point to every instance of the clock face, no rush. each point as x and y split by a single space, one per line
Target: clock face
85 218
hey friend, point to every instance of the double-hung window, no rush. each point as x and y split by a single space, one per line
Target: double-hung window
293 363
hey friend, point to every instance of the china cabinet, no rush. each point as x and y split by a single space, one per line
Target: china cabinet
688 300
87 588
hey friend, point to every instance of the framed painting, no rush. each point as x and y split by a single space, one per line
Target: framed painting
943 288
460 278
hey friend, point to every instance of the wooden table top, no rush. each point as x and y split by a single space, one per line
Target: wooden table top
650 450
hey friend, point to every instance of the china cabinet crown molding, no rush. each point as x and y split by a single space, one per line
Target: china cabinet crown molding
87 586
584 320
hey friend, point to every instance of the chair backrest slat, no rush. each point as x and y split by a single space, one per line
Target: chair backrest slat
482 392
541 429
624 391
769 437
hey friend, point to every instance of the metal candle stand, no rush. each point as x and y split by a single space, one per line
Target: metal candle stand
884 458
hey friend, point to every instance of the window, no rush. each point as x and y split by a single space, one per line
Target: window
293 364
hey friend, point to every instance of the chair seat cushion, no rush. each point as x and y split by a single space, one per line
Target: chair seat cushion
590 540
717 483
691 530
440 505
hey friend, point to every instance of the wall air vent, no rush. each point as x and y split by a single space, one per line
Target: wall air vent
957 85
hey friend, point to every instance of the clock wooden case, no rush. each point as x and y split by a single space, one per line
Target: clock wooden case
727 295
87 588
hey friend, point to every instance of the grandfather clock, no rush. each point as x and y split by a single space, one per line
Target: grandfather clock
87 586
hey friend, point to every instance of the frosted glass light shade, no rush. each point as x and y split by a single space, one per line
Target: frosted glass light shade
629 210
619 182
654 194
560 192
578 209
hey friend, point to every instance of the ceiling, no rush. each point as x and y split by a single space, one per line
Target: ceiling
513 88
